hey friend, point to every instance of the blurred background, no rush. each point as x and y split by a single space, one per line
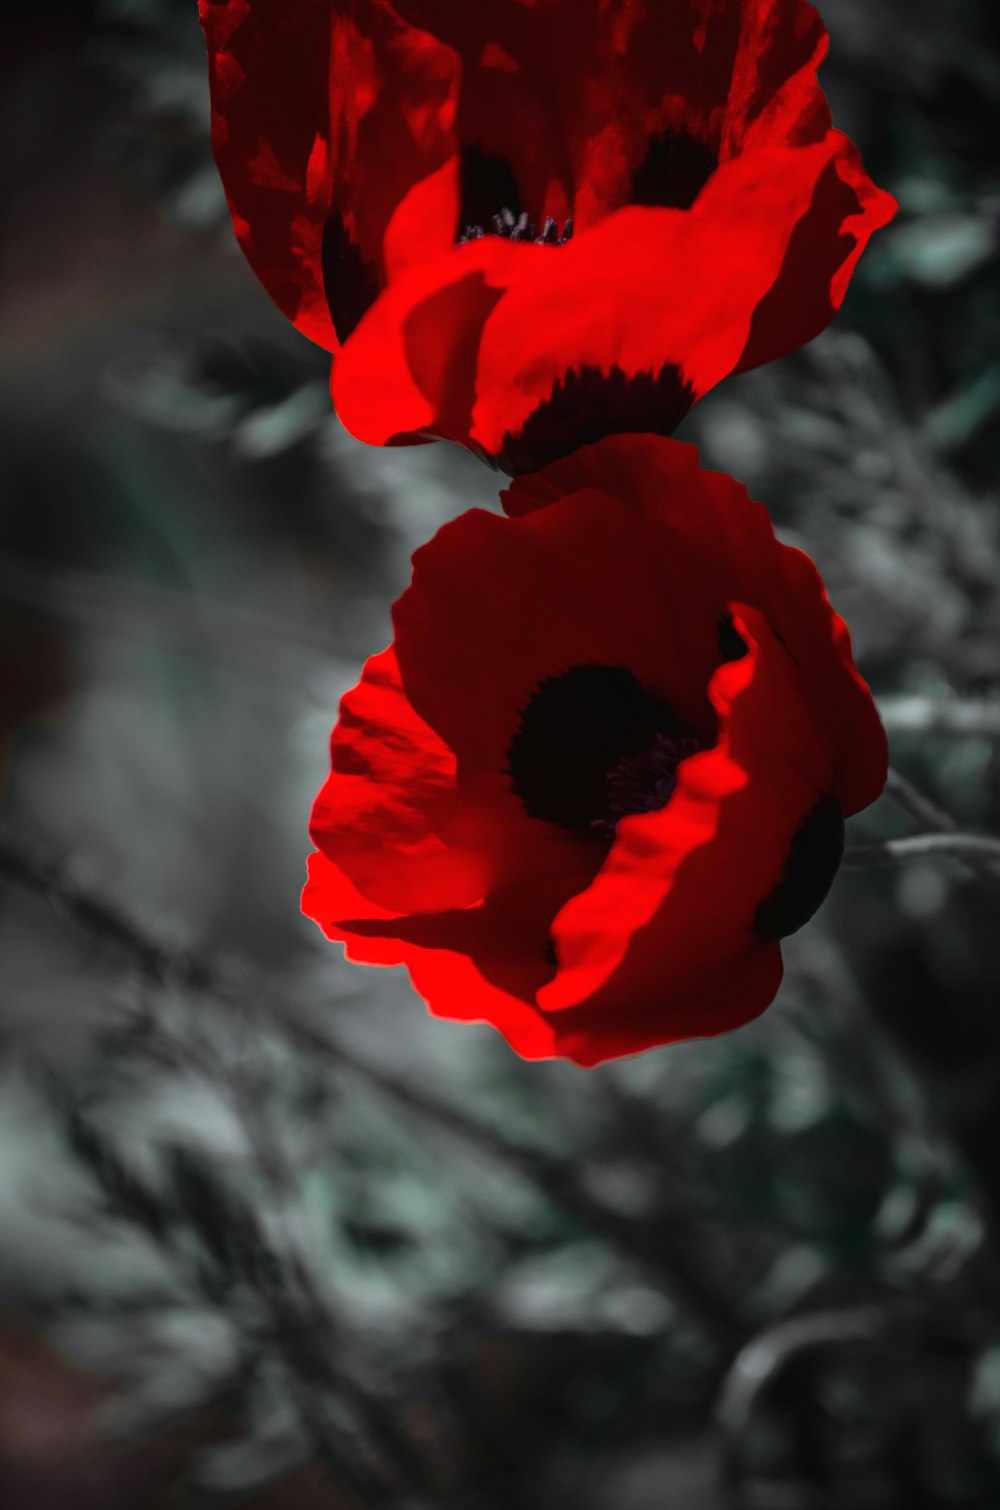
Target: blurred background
271 1236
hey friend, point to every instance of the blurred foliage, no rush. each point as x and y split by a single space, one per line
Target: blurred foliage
353 1256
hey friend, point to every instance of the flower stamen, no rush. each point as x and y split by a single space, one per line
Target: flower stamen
520 228
645 782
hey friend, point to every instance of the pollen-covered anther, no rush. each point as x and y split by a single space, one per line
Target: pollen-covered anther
520 228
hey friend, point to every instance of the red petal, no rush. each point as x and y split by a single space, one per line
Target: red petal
411 364
465 970
461 963
573 94
677 897
324 122
739 991
820 259
644 288
686 86
820 642
410 837
652 286
270 133
521 98
389 811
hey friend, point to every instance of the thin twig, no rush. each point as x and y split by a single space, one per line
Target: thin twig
757 1365
910 800
760 1367
159 962
913 714
920 846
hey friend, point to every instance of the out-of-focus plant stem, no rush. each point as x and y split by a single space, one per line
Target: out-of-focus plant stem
956 846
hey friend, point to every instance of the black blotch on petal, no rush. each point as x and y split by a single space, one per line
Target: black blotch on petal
674 171
575 730
350 283
486 186
588 404
813 859
732 646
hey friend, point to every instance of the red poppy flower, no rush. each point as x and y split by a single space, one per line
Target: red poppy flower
716 218
605 764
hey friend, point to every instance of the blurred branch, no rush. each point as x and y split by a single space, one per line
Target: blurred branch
860 1043
931 496
664 1249
164 964
757 1365
759 1369
910 800
915 804
306 1323
925 715
921 846
303 1331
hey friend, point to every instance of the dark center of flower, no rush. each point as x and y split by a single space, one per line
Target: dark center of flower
490 203
645 782
594 746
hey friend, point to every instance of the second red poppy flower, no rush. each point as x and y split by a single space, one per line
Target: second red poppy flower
605 764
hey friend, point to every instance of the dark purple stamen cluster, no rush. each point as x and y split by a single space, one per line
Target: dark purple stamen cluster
645 782
519 228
